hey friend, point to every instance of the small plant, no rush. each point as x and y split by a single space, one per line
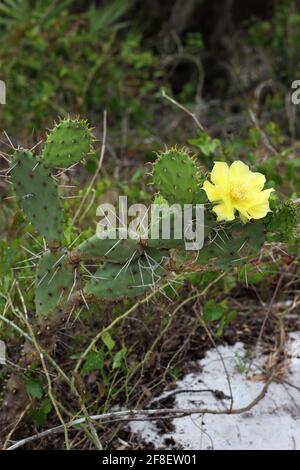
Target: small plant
129 267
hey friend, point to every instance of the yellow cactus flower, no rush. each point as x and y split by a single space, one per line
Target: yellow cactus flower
236 188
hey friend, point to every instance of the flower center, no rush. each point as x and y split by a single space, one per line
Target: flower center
238 192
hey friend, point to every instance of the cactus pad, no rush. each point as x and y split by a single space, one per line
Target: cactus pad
176 175
54 281
117 250
67 143
37 195
113 281
234 244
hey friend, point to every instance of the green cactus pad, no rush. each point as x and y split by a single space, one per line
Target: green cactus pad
54 281
163 244
115 250
67 143
113 281
176 176
37 195
233 245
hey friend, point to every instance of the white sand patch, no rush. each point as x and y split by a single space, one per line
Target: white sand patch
274 423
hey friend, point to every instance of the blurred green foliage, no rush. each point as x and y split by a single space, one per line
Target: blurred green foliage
279 39
219 311
56 61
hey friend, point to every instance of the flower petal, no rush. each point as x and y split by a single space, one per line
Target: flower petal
259 211
260 204
263 196
238 170
220 174
224 211
213 193
257 180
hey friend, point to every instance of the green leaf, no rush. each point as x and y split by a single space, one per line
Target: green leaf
205 143
38 416
117 362
225 320
34 388
213 311
108 341
94 361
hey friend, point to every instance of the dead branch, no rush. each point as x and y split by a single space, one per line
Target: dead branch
145 415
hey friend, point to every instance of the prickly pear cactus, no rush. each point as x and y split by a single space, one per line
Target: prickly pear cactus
176 175
54 280
67 143
37 195
133 265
